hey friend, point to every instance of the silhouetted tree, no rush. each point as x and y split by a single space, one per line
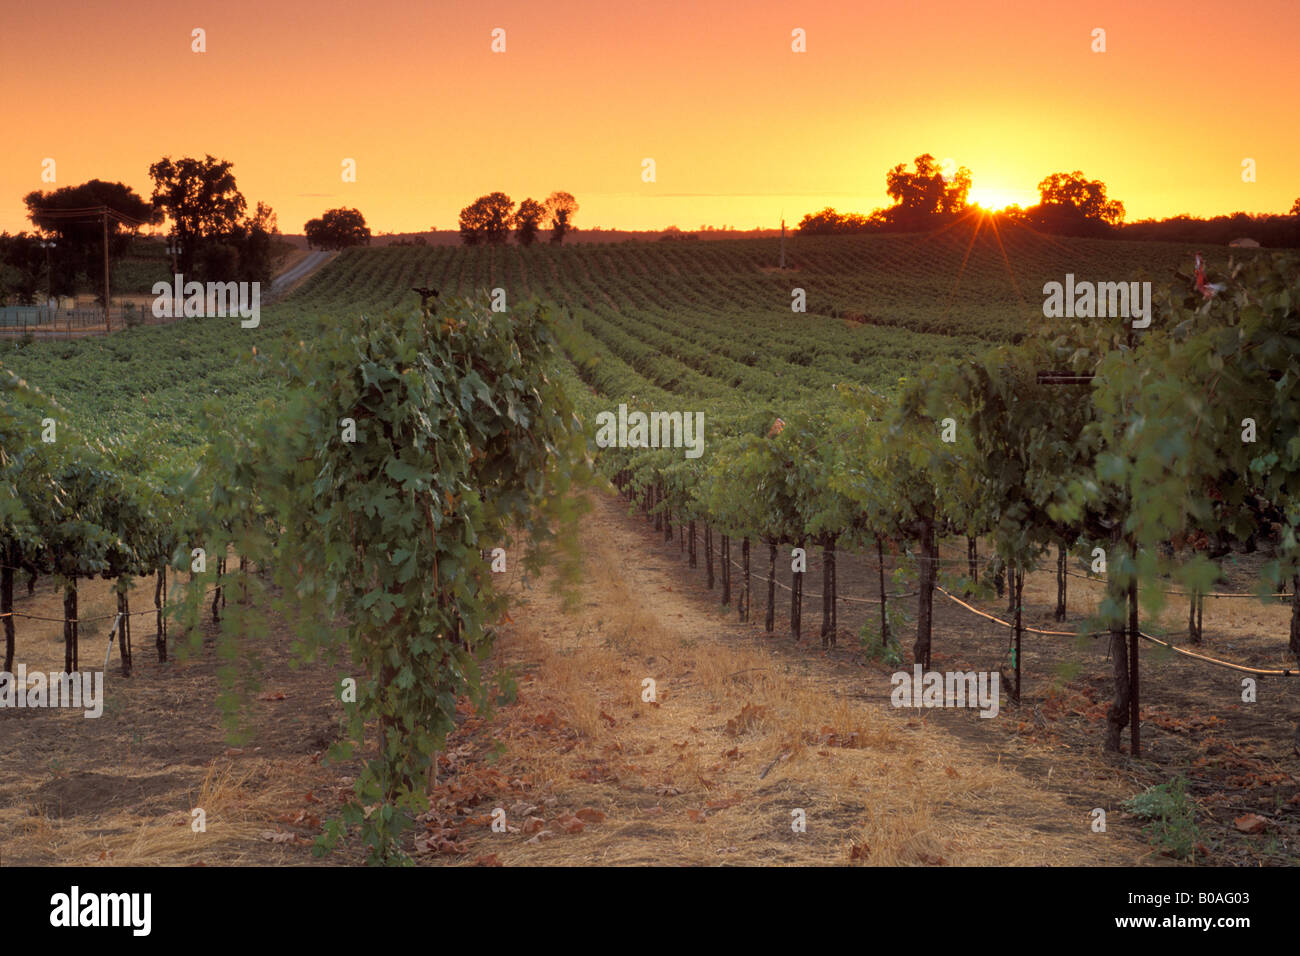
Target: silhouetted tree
561 207
338 229
527 220
1072 204
486 219
202 200
254 240
925 194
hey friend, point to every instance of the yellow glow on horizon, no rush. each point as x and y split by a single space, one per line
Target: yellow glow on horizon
992 199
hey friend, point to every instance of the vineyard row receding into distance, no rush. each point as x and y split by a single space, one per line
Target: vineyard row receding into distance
904 406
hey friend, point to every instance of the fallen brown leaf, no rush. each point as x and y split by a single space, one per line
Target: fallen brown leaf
1250 823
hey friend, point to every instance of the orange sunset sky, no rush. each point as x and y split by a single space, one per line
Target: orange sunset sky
742 129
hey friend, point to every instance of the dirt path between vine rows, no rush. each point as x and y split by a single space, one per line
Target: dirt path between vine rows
753 752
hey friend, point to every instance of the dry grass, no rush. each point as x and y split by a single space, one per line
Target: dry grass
739 739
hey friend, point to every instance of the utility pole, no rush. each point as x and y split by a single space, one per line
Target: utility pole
108 321
48 244
782 242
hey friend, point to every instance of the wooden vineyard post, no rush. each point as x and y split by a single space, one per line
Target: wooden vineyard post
1018 578
70 663
744 557
725 562
1117 714
884 598
796 601
828 592
160 638
1134 710
1294 640
1060 582
925 598
7 608
835 597
708 553
770 624
972 562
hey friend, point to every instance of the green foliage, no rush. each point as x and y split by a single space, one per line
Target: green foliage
890 654
1172 817
461 437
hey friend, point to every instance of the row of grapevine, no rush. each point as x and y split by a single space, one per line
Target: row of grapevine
967 283
73 508
1154 452
365 489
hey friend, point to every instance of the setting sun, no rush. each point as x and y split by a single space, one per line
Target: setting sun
992 199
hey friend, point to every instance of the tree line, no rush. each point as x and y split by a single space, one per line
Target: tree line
489 219
213 235
929 196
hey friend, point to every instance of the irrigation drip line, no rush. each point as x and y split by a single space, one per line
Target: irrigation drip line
1204 658
1023 627
1213 594
77 620
1262 672
87 620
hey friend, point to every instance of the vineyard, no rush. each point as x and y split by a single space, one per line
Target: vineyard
893 445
